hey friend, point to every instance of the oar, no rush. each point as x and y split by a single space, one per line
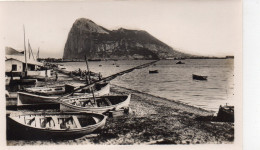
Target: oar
109 78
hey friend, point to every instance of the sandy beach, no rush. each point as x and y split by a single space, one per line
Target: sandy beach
151 120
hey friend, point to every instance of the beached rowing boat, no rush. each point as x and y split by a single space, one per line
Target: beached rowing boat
41 95
199 77
226 113
153 71
102 104
53 125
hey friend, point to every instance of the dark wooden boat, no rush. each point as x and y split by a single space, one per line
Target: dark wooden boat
100 105
24 82
225 113
53 125
180 62
199 77
45 95
153 71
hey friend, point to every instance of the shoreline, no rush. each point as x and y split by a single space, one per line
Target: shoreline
168 100
152 120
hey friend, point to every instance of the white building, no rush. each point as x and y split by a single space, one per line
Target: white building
15 64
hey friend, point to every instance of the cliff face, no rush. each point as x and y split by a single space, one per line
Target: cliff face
87 38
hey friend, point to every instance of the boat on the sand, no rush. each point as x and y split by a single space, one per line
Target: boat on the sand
199 77
101 104
153 71
226 113
49 95
53 125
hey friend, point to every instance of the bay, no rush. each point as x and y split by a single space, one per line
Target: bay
174 81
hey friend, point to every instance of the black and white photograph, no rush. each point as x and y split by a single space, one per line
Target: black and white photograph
122 72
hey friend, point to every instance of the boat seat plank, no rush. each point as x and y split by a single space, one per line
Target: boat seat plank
76 120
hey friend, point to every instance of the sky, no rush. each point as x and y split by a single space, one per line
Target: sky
200 27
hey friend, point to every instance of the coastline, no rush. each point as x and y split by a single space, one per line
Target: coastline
152 120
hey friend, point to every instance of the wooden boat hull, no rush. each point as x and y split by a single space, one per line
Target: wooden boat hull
69 107
24 82
153 71
226 114
39 73
180 62
24 98
198 77
18 130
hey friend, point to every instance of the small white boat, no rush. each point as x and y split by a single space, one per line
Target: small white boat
53 125
42 95
100 105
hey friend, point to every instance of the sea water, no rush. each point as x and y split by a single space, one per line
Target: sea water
174 81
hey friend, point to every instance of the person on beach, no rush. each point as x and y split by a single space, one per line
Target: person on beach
99 76
79 71
46 75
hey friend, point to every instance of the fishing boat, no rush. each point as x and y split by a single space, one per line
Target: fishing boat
180 62
24 82
100 105
48 95
226 113
153 71
53 125
199 77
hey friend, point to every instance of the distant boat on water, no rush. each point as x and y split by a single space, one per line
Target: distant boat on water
199 77
180 62
53 125
153 71
94 59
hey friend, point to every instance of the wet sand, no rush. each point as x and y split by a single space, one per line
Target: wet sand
152 120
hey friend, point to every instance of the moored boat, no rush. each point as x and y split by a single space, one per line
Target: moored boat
199 77
153 71
53 125
100 105
180 62
43 95
226 113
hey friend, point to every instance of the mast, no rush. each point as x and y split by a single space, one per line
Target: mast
29 49
38 53
88 79
26 66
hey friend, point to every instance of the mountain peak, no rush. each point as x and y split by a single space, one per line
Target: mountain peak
88 38
88 25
